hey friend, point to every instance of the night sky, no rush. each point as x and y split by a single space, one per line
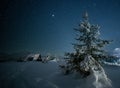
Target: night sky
46 26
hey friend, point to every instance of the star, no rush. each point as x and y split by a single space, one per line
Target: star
53 15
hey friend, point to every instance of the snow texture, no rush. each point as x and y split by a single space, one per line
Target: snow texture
116 52
47 75
97 72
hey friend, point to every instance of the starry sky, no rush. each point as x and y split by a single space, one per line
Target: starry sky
46 26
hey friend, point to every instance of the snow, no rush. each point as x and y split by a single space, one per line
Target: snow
113 63
34 56
88 30
116 61
47 75
97 72
116 52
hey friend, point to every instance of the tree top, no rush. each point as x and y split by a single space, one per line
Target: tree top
85 16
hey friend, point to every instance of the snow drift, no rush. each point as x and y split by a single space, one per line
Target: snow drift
47 75
97 72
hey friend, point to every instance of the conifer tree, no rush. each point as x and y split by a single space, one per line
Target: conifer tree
88 43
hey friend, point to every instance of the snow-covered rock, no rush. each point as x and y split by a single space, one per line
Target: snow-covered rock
33 57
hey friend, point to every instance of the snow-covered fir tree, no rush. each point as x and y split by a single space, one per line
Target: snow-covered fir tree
89 50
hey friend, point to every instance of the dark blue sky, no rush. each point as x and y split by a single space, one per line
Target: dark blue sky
47 25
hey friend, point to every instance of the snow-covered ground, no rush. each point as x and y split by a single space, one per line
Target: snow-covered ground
47 75
115 61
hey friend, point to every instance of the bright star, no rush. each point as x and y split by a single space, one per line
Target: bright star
53 15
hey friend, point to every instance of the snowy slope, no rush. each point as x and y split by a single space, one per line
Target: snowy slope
40 75
115 61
